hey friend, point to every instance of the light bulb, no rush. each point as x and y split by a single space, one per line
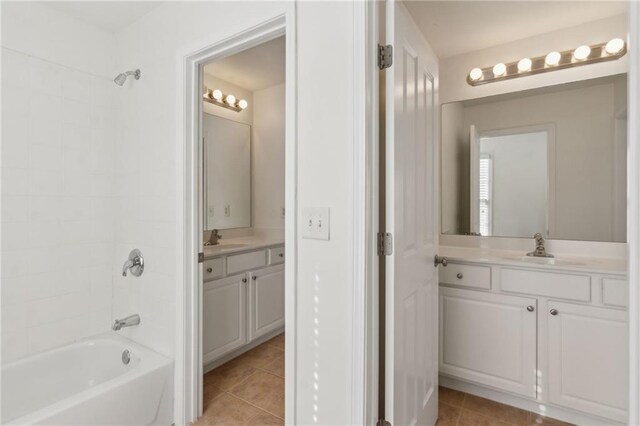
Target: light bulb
552 59
614 46
582 53
217 95
243 104
475 74
230 100
524 65
499 69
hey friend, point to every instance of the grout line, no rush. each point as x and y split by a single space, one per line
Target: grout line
253 405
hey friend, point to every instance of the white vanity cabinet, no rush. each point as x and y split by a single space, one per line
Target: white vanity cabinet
244 305
548 335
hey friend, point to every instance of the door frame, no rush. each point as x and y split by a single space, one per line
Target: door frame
188 357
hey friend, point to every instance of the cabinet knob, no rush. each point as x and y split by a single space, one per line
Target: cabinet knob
244 280
281 255
553 312
530 308
209 269
459 275
254 278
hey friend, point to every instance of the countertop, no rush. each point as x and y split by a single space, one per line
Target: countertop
609 266
238 245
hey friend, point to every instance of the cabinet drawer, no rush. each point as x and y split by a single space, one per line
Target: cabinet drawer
276 255
246 261
212 269
550 284
466 275
615 292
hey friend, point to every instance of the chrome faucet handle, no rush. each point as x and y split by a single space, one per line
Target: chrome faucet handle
135 264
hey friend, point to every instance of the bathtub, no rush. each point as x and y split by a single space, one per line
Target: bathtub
88 383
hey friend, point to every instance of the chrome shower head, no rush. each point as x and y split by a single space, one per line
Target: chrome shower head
122 77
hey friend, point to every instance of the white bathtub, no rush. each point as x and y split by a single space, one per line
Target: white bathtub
87 383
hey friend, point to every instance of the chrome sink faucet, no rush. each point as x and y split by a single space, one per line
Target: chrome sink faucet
540 250
214 239
126 322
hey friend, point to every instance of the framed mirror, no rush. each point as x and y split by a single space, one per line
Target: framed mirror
227 173
550 160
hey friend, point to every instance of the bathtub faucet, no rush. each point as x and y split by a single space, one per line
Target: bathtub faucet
126 322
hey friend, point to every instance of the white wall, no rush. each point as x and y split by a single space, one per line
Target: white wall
454 70
147 217
58 120
268 154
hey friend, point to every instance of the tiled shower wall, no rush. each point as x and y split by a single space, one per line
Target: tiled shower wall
58 170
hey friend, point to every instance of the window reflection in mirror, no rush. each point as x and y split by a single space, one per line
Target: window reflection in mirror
549 160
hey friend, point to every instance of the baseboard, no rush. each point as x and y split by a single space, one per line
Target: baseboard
555 412
236 353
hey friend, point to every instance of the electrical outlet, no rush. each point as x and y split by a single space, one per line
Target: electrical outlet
316 223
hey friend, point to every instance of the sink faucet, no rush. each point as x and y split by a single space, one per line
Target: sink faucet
126 322
214 239
540 251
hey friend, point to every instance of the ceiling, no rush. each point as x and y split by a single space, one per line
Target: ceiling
253 69
457 27
108 15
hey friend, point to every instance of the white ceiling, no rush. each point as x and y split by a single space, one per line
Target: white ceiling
253 69
456 27
108 15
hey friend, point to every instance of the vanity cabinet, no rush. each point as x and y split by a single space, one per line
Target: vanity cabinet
489 338
588 358
550 336
243 306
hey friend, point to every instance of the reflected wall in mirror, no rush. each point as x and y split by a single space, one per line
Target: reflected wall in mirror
549 160
227 173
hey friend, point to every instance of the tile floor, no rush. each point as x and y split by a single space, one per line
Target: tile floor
461 409
248 390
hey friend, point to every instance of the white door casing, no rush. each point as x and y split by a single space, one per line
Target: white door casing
411 217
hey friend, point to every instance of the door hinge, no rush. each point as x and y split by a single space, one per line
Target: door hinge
385 244
383 422
385 56
200 257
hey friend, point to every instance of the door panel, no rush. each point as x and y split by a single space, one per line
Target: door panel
411 217
266 301
489 338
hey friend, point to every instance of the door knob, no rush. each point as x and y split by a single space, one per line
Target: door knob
553 312
440 260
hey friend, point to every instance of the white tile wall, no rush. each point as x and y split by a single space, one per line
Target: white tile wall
58 224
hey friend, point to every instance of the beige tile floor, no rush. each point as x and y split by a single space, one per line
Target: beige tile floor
249 390
461 409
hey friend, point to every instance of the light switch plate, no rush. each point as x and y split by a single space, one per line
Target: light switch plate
316 223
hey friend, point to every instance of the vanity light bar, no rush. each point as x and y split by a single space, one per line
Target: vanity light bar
582 55
216 97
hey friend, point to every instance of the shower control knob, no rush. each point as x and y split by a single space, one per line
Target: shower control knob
530 308
553 312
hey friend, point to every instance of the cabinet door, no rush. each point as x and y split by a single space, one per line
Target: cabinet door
588 359
266 301
489 339
224 324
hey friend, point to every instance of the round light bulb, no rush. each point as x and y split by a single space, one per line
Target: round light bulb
217 95
614 46
524 65
475 74
582 53
243 104
499 69
230 100
552 59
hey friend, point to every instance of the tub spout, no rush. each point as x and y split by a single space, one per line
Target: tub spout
126 322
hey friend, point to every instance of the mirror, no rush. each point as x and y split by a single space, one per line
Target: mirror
227 173
549 160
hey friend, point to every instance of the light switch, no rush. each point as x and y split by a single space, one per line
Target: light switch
316 223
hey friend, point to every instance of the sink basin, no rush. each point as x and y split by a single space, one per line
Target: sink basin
545 261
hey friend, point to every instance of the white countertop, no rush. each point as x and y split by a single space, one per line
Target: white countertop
237 245
615 266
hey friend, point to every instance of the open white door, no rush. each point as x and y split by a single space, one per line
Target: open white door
474 178
411 359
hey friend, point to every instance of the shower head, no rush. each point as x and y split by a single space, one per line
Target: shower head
122 77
